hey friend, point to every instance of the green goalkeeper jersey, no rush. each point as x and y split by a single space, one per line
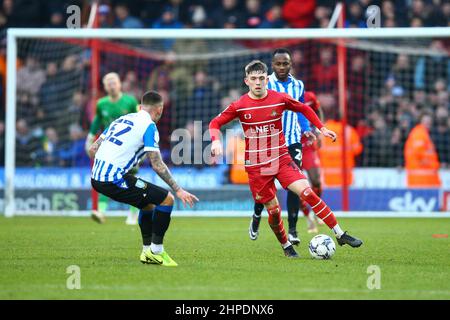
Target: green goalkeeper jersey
108 111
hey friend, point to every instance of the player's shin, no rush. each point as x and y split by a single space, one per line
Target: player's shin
258 208
321 210
145 220
276 224
293 206
161 221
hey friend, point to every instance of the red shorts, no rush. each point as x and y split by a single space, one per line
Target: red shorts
310 158
262 179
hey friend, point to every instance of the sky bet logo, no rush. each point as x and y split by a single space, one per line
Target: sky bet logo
409 203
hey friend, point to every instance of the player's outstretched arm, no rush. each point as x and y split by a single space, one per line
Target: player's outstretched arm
93 148
163 172
89 141
214 128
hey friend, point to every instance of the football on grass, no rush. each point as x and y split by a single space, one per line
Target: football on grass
322 247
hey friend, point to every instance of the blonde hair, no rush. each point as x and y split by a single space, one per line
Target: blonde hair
109 75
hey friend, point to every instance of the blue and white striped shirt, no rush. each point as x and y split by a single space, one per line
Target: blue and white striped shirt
294 124
126 141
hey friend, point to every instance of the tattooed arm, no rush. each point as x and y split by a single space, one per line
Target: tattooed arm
94 147
161 169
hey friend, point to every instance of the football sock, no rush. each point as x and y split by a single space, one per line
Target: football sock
285 245
276 224
293 206
318 190
144 247
145 224
161 221
305 207
319 207
338 231
133 209
157 248
258 208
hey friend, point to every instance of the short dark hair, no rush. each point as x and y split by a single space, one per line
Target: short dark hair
256 66
282 51
151 98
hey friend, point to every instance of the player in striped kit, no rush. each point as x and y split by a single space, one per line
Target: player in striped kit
267 156
120 147
295 128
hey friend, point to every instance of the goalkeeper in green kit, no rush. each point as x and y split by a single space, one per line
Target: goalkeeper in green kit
108 109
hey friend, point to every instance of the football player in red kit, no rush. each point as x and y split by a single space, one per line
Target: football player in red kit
266 155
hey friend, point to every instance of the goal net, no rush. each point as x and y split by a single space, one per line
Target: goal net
378 83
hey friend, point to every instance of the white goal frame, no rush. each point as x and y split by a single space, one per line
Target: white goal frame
13 34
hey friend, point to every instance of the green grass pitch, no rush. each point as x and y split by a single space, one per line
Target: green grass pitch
217 260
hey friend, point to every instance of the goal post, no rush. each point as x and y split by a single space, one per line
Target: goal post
14 35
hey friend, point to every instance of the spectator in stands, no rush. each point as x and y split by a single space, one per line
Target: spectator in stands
70 75
124 19
26 144
419 13
198 17
74 154
228 15
273 18
299 16
2 143
57 20
331 153
203 99
378 146
357 76
446 13
30 77
324 73
105 16
253 15
50 92
355 16
322 14
76 112
388 13
49 152
167 21
169 77
27 108
181 10
430 68
440 135
131 85
402 74
421 158
25 13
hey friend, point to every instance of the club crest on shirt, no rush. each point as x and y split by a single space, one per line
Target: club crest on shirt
141 184
247 116
274 113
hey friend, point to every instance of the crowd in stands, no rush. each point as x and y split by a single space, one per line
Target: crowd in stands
387 92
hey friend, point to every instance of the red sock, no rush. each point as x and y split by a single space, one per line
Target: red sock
305 207
318 190
319 207
276 223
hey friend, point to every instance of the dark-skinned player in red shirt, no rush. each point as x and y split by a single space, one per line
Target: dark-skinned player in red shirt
266 155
